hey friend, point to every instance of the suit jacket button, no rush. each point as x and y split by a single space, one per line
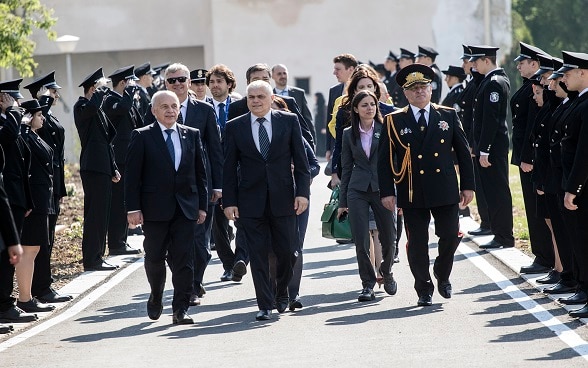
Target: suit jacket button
422 172
442 140
517 105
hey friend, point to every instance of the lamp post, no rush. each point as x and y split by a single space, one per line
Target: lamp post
67 44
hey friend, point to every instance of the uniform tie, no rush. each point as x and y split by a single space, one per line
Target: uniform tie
264 142
422 121
170 145
180 117
222 116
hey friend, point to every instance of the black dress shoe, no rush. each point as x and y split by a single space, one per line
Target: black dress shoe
103 266
535 268
263 315
194 300
390 285
239 270
154 306
295 304
464 212
127 249
4 329
494 244
560 288
579 313
425 300
182 318
444 288
54 297
136 231
282 304
15 314
34 306
227 276
200 290
552 277
480 231
580 297
366 295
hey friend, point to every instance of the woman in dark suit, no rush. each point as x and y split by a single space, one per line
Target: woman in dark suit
35 232
360 192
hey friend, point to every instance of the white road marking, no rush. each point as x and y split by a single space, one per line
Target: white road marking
562 331
76 308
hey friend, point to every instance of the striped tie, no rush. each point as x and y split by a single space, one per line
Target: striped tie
264 142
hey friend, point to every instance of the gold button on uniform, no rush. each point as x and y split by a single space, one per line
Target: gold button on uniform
422 172
420 156
436 154
438 170
442 140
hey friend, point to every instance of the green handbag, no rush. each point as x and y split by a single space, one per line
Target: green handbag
332 227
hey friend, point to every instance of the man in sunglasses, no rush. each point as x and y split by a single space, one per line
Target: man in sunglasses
200 115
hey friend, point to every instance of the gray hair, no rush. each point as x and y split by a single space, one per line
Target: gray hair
160 94
175 67
259 84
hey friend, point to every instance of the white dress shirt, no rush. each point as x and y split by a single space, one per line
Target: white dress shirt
255 128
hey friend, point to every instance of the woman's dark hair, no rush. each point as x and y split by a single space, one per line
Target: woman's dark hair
355 120
362 71
281 104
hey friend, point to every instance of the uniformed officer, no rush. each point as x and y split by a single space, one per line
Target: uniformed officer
415 164
427 55
198 86
490 137
574 148
158 80
454 77
394 90
119 107
45 90
141 98
524 110
405 58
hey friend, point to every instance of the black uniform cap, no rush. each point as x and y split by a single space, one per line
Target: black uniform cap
573 60
47 81
405 54
529 52
557 64
126 72
427 51
467 53
198 75
482 51
92 78
12 88
144 69
456 71
545 64
392 56
32 106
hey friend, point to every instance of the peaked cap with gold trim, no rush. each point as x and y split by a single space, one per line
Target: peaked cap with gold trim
413 74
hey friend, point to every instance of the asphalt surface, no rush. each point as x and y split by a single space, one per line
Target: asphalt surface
495 318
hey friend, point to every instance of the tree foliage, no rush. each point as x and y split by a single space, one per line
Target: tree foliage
18 20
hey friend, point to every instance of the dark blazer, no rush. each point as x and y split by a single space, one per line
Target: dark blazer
8 233
96 136
523 110
238 108
489 131
53 133
358 171
465 108
554 184
452 97
152 184
574 146
300 96
201 115
18 160
40 173
125 117
259 180
432 172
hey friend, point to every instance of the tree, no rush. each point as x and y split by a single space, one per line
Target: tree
18 20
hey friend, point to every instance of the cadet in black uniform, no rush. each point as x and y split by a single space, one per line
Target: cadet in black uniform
454 77
427 55
142 98
391 66
490 138
422 136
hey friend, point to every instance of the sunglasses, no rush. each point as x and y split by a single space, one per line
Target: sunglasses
178 79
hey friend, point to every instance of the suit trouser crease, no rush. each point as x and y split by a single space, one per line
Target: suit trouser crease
97 197
118 227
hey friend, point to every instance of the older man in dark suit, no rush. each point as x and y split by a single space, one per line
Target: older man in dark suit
422 136
166 192
261 189
200 115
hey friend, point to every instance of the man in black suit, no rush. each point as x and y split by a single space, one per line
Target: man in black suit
263 191
97 168
424 135
427 56
44 89
280 77
490 138
200 115
119 108
142 98
263 72
165 191
343 66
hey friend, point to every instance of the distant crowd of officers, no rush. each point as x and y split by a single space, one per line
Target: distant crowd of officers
549 145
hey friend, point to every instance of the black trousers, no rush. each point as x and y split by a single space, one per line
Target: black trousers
222 242
555 209
494 183
174 239
539 234
6 269
202 253
481 200
118 227
97 196
416 221
42 278
265 234
576 223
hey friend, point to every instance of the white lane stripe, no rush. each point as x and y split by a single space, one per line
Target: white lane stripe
76 308
562 331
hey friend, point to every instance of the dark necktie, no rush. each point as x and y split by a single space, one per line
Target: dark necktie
264 142
170 146
222 116
180 117
422 121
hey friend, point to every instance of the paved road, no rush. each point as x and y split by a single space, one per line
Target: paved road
495 319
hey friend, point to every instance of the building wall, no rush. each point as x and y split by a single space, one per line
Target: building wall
303 34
